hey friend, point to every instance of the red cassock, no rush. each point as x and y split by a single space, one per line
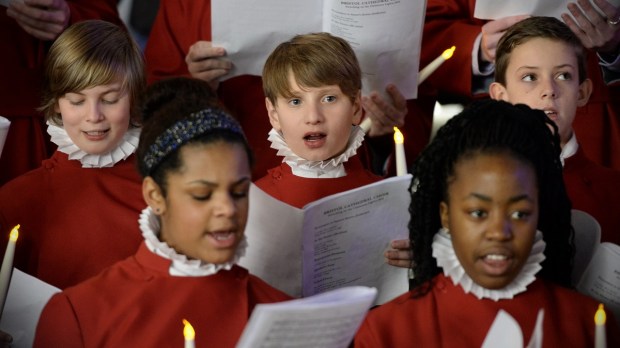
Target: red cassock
21 78
448 317
179 24
74 221
451 22
596 190
137 303
297 191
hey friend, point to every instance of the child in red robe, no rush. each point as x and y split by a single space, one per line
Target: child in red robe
490 234
312 85
77 211
196 163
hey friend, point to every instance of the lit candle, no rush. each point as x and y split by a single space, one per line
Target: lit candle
422 75
7 266
189 334
600 338
429 69
401 161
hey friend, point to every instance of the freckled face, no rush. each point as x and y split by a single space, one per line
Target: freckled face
207 204
97 118
492 215
316 122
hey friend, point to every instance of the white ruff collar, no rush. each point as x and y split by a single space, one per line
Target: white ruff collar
330 168
443 252
181 265
65 145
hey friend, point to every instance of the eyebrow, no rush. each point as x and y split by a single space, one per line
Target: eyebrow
111 90
213 184
489 199
555 67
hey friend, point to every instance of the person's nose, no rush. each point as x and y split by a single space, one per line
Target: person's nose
94 113
314 114
499 228
226 206
549 89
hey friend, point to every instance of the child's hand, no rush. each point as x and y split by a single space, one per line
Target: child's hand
206 62
385 115
595 30
400 254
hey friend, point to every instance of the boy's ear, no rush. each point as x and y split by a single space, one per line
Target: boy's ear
273 114
585 90
497 91
56 107
444 214
358 110
153 196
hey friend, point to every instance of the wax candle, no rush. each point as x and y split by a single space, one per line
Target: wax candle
7 266
422 75
401 161
189 334
600 336
429 69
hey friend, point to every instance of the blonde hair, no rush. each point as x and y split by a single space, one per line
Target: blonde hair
88 54
315 59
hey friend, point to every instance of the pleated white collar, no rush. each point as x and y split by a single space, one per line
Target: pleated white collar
443 252
127 147
181 265
331 168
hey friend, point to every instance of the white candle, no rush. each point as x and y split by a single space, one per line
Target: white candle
7 266
189 334
401 161
422 75
429 69
600 336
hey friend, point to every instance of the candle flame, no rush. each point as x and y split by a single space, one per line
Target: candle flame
600 317
398 136
188 330
14 234
447 54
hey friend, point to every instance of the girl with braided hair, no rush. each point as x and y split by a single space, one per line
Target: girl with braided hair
490 231
195 163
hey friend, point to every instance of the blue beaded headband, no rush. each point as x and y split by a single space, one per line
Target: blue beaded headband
195 125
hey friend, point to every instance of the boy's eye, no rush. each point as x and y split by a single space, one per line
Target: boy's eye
564 76
329 98
528 77
76 102
294 101
109 101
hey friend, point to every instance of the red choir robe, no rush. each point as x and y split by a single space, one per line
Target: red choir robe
74 221
448 317
596 190
281 183
179 24
137 303
21 75
447 23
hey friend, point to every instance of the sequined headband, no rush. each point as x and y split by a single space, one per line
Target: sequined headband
195 125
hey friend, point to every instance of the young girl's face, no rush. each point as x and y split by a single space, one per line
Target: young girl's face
206 208
97 118
316 122
492 214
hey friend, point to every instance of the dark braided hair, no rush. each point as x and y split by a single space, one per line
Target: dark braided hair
492 127
165 103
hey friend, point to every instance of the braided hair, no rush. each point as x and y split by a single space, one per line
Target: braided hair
492 127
